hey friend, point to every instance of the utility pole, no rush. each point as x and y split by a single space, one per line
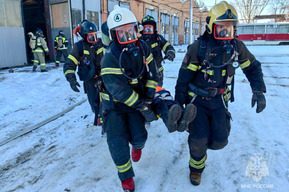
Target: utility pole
83 9
191 22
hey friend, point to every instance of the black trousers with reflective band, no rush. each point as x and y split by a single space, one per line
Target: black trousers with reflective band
124 128
59 54
209 130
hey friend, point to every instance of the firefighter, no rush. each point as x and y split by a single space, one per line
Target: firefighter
157 43
86 55
60 47
163 104
38 51
206 74
32 45
130 77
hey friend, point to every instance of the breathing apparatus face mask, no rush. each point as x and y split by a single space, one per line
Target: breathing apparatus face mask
224 30
92 38
224 33
148 30
126 34
127 38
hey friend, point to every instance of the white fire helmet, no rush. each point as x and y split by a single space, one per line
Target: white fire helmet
120 17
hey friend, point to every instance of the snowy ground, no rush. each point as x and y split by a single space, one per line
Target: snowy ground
69 154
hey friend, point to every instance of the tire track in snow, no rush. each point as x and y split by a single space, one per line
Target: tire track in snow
170 167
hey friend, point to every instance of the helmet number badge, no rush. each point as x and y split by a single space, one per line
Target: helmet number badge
117 18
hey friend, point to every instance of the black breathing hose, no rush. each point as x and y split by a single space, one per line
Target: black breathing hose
120 66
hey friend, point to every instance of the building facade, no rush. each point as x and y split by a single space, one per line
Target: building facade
18 17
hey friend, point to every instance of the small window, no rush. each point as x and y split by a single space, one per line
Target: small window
94 17
271 29
165 25
283 28
10 13
245 29
76 17
60 16
259 29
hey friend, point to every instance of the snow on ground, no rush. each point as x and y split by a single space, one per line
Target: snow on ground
69 154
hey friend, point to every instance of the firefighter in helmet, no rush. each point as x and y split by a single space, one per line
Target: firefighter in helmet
60 47
38 51
157 43
32 45
206 79
130 77
86 55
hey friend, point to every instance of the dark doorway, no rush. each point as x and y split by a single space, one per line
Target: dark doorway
34 17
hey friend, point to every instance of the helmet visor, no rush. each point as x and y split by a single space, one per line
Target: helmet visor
148 30
126 34
224 30
92 37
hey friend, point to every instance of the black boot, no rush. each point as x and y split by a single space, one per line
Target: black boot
189 115
43 70
34 68
171 119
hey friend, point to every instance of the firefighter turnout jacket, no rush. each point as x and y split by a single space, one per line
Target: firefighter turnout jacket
196 71
60 42
41 45
86 58
122 92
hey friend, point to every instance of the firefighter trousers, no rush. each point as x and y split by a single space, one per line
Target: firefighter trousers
59 54
122 128
209 130
92 95
161 73
39 59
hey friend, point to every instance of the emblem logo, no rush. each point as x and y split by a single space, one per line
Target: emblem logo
117 18
230 15
257 168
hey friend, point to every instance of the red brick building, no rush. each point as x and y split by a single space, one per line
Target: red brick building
18 17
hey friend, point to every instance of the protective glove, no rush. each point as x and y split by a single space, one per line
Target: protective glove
260 99
148 114
170 56
99 84
73 83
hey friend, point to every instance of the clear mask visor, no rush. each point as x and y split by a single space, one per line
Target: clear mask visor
92 37
148 30
126 34
224 31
